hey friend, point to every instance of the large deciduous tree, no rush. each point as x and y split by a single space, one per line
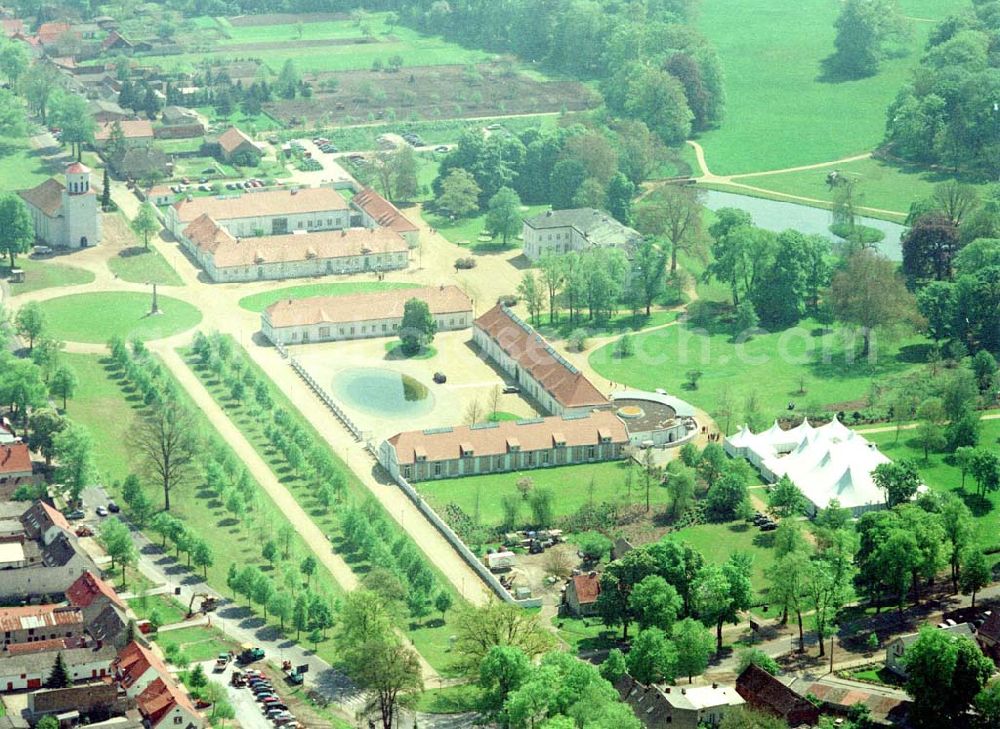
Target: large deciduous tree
18 229
166 441
673 213
417 328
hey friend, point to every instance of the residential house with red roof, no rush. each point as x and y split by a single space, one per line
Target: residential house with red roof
235 146
44 522
49 34
15 462
164 704
988 636
136 667
136 133
29 669
103 611
32 623
529 360
582 592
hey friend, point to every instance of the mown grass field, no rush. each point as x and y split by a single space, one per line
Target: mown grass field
468 231
99 316
43 273
143 265
717 542
198 643
769 365
781 110
259 302
572 486
942 476
170 610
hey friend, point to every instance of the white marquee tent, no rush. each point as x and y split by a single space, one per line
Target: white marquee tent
828 462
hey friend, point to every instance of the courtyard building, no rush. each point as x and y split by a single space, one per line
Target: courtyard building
691 707
235 145
268 212
578 229
531 362
65 215
358 316
40 622
582 592
136 133
895 652
467 450
229 257
377 211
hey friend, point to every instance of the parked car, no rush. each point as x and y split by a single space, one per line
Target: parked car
76 514
769 526
511 390
113 507
222 661
493 127
441 148
440 378
101 511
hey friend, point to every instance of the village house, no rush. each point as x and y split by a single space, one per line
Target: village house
269 212
138 163
106 112
236 147
65 215
581 595
376 211
529 360
115 41
692 707
136 667
95 698
226 257
51 34
179 123
15 463
29 669
379 314
135 132
39 554
104 613
164 704
577 229
421 455
895 651
40 622
765 693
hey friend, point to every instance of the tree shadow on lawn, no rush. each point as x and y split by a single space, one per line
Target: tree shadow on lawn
978 505
849 364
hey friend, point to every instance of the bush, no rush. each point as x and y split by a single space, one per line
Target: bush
624 347
594 546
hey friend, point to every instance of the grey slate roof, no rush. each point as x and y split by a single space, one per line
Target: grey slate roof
599 227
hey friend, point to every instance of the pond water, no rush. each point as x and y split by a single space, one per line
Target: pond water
382 392
780 216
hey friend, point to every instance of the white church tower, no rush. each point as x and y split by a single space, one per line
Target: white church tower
79 208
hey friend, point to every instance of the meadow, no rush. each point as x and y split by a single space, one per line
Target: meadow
782 109
43 274
808 365
23 166
99 316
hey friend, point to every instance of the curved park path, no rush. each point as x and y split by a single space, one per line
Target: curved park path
732 181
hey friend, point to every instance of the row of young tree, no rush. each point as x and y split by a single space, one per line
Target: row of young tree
948 113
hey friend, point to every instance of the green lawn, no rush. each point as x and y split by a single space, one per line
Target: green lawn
781 111
144 265
173 146
621 323
768 365
198 643
44 273
717 541
942 476
883 185
98 317
467 231
273 33
570 484
429 636
259 302
171 611
449 700
585 633
22 166
876 674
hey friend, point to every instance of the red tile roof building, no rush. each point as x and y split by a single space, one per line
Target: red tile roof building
34 623
89 588
136 667
377 211
163 704
534 365
379 314
582 592
51 33
137 132
232 141
421 455
15 461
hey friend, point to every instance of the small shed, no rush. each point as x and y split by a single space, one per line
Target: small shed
17 275
500 561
